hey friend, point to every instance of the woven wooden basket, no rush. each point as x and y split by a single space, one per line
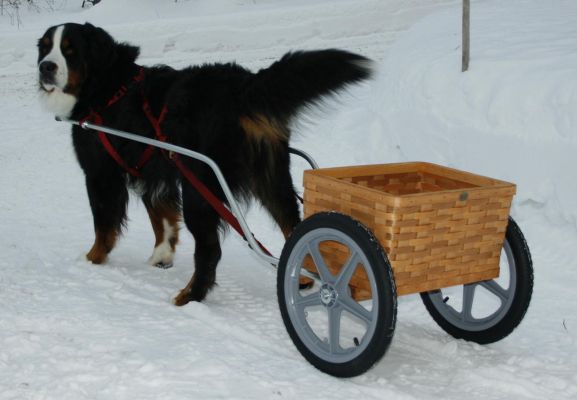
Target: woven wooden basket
439 226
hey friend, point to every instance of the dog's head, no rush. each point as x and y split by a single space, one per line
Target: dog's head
72 57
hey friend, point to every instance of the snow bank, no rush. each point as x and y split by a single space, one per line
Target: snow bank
512 116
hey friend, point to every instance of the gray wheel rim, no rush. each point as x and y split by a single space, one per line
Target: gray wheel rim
464 318
333 295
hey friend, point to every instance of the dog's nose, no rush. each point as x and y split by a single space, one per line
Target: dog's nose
47 68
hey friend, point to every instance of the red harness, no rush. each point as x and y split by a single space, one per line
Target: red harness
96 118
214 201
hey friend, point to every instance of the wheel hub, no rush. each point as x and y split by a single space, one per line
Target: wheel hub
328 295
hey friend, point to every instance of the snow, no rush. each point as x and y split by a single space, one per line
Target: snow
70 330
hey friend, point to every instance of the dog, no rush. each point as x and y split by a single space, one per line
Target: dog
238 118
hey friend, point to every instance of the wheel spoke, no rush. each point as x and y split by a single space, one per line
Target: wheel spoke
334 329
468 299
356 309
496 289
337 333
495 311
347 272
319 261
310 300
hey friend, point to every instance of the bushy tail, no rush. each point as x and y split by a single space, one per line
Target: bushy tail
301 78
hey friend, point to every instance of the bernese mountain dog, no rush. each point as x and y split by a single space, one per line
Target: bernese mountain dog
238 118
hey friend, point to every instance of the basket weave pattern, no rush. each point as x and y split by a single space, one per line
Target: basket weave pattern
440 227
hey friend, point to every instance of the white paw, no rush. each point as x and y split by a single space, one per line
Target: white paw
162 256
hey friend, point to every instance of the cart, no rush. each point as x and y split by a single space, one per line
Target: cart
372 233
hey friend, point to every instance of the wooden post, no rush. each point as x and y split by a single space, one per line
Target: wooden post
466 35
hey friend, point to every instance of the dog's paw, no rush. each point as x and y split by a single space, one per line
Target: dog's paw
163 265
181 298
96 256
162 257
187 295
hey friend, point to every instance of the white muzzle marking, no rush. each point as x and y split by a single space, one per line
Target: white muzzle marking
53 98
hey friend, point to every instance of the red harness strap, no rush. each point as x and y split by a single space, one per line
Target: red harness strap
134 171
204 191
120 93
97 119
214 201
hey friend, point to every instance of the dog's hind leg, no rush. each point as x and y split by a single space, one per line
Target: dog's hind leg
164 219
276 192
273 186
108 198
202 221
163 207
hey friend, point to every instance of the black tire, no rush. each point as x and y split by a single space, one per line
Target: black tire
512 307
329 356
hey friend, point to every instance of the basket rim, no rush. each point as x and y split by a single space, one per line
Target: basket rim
480 182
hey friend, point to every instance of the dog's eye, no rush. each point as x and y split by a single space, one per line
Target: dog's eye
67 49
44 45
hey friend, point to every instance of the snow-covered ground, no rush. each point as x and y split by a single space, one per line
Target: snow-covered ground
70 330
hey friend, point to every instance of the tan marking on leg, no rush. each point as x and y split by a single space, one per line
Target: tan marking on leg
183 297
103 244
157 225
286 232
157 217
165 224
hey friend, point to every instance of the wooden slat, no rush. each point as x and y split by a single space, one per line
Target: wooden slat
439 226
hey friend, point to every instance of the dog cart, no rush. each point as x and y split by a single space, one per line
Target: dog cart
372 233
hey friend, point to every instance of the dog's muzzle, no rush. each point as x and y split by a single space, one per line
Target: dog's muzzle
47 70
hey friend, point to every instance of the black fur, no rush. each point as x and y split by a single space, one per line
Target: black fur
206 105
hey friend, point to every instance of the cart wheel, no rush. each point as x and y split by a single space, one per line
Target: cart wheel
487 311
334 332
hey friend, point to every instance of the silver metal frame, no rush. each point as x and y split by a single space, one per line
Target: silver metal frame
304 155
233 204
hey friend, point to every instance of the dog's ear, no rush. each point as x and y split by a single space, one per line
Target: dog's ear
101 47
127 52
104 51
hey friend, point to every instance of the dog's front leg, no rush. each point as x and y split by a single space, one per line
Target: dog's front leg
108 198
